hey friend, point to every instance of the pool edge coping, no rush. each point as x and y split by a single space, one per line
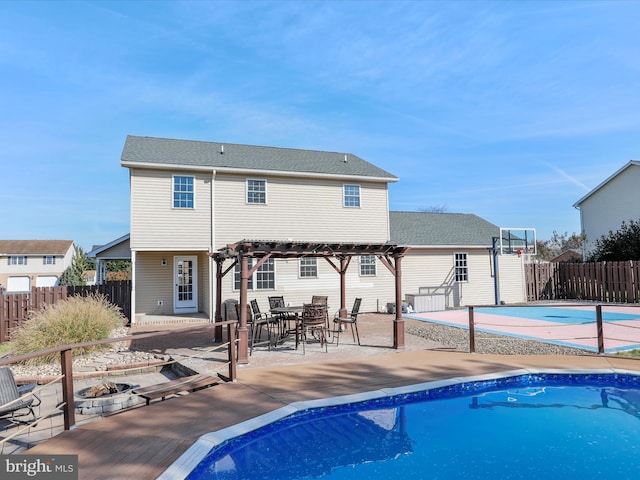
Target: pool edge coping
191 458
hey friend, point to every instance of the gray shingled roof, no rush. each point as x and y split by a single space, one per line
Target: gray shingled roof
434 229
34 247
191 153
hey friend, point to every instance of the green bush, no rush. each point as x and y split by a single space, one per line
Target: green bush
75 320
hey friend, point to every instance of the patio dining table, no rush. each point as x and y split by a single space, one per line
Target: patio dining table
286 315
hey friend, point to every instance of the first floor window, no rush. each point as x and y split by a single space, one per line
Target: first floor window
48 260
18 260
461 269
264 278
308 267
368 265
182 192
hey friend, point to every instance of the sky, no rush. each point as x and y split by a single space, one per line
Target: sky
510 110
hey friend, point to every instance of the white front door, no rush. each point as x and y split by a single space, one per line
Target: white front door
185 273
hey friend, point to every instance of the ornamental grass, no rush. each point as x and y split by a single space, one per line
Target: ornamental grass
74 320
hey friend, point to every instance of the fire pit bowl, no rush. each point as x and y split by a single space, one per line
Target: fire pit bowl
105 398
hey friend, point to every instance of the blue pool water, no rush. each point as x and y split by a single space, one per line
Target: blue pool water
543 426
558 315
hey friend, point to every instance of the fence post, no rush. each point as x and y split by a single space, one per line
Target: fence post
66 362
600 329
472 332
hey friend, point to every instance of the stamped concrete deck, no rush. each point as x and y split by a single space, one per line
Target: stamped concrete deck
141 443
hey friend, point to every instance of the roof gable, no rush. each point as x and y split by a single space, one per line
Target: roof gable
441 229
164 152
35 247
631 163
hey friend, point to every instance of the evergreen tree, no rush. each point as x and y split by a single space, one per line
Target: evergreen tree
623 244
75 273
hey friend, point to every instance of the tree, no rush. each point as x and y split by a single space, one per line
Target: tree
434 209
623 244
74 274
557 244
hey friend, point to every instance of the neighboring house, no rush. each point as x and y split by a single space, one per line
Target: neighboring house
190 198
33 263
114 251
614 201
571 255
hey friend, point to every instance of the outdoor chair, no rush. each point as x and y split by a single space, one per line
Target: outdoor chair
351 319
313 324
260 320
278 302
323 299
11 401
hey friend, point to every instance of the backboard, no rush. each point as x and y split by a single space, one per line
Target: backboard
518 241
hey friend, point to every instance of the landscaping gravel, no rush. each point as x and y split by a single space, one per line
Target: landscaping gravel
458 339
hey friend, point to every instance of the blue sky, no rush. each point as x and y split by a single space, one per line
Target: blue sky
512 110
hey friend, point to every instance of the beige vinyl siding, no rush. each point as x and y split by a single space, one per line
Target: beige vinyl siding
119 251
156 282
155 224
299 209
431 270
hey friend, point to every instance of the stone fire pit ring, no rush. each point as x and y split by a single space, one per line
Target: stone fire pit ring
121 400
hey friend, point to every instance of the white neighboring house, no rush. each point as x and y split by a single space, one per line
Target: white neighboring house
191 198
33 263
615 200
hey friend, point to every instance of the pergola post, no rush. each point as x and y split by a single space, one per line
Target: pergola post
343 288
243 331
398 323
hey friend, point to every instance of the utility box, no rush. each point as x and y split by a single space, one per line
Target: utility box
426 302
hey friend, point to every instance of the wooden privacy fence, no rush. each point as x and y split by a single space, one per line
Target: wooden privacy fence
16 308
613 282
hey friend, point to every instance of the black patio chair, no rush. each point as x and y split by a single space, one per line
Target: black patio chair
313 324
351 319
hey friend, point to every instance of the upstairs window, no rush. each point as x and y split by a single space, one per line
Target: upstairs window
18 260
461 269
368 265
48 260
351 196
182 192
308 267
256 191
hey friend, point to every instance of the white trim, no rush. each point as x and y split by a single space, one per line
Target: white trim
244 171
602 184
246 191
107 246
192 305
173 191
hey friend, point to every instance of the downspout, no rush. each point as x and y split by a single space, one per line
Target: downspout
213 313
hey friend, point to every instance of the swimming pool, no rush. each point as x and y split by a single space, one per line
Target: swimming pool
511 426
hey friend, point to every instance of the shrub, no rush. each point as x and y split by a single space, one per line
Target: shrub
75 320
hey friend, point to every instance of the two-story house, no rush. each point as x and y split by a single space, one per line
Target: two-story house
193 198
33 263
615 200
